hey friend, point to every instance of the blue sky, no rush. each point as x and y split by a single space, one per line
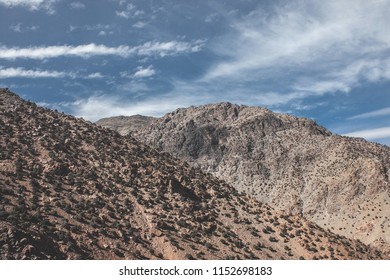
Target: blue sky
325 60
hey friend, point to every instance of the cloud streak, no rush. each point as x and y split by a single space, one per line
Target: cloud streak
32 5
25 73
20 72
377 113
161 49
371 134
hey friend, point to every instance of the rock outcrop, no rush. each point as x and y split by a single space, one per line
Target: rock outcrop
124 125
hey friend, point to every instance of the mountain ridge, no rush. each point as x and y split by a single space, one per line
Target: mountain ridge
291 163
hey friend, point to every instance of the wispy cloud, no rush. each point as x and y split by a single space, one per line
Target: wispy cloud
345 78
377 113
148 49
77 5
168 48
20 72
144 72
337 43
139 24
371 134
101 29
16 27
19 27
32 5
100 106
25 73
130 11
57 51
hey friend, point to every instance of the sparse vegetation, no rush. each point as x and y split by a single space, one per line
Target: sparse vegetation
70 189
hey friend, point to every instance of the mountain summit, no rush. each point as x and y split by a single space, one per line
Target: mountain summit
291 163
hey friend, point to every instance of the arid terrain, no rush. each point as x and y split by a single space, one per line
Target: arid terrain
70 189
339 183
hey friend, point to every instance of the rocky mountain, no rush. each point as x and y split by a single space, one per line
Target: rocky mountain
72 190
291 163
124 124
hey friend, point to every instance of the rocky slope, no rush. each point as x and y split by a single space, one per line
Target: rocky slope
124 124
291 163
69 189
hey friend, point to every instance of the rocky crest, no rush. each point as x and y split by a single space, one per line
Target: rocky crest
72 190
293 164
124 125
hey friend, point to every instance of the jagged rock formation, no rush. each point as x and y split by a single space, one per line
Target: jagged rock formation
124 124
291 163
70 189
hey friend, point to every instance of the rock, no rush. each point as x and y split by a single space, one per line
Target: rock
27 250
23 241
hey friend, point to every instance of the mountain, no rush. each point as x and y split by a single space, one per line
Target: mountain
72 190
291 163
124 124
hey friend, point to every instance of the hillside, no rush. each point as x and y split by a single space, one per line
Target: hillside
72 190
291 163
124 124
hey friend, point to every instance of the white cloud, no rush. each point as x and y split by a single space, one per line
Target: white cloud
103 29
33 27
345 78
16 27
100 106
57 51
25 73
77 5
337 43
139 24
72 28
372 114
321 87
122 14
96 75
130 12
98 26
371 134
20 72
168 48
144 72
211 18
148 49
32 5
20 28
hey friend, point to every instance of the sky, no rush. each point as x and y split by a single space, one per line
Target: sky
324 60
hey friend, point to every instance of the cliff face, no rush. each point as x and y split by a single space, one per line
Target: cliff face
291 163
72 190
